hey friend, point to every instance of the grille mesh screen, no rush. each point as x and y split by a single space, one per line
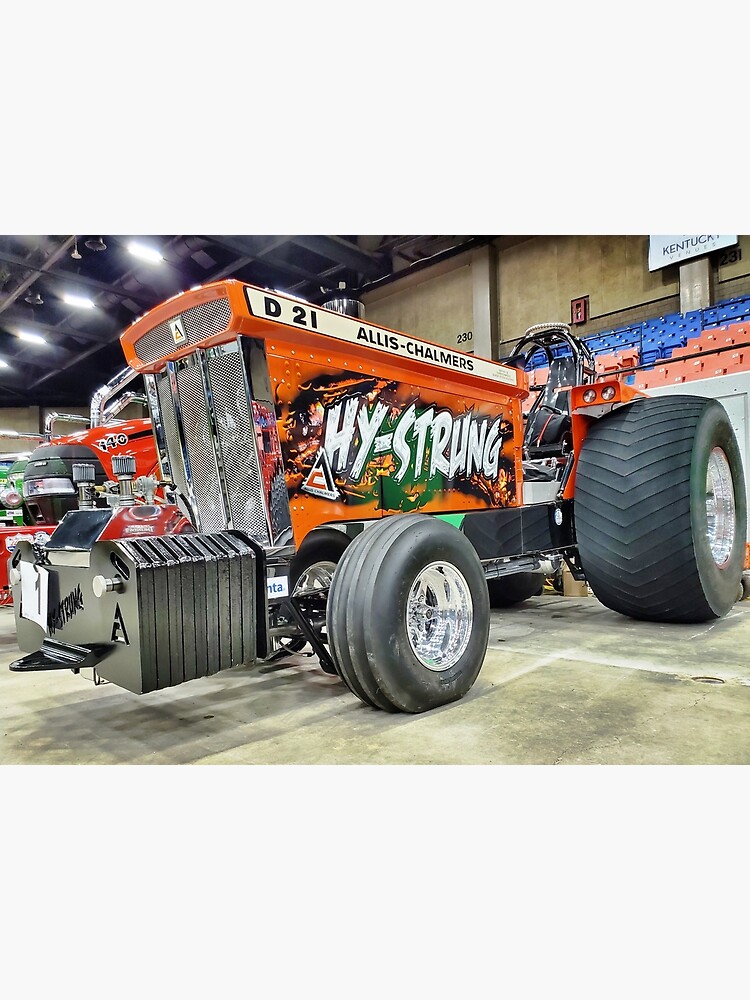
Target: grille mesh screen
196 429
169 423
198 323
236 435
212 440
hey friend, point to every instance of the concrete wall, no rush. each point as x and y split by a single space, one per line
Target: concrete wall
16 418
538 279
435 303
732 279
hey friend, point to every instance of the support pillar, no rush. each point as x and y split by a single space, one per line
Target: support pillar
695 284
484 301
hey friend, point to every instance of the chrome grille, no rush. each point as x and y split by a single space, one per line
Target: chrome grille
172 442
198 322
223 446
196 431
237 442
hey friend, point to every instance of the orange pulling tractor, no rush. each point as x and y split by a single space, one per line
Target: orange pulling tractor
294 435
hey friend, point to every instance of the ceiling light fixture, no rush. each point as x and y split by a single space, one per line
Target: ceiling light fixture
97 244
145 253
78 300
74 253
34 299
32 338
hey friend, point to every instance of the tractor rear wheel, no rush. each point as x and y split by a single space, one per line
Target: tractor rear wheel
408 614
660 510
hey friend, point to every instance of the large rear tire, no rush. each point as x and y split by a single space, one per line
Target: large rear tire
660 510
408 615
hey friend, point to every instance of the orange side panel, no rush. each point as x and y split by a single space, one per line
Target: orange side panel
360 446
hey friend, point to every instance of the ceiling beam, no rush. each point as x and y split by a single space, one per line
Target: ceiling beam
274 244
13 392
18 377
328 273
256 250
70 277
107 337
344 253
17 319
232 268
27 354
29 281
472 243
242 245
77 360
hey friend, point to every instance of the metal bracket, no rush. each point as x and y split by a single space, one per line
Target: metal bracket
55 655
496 569
569 463
574 565
292 606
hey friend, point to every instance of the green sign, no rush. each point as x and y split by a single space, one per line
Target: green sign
10 478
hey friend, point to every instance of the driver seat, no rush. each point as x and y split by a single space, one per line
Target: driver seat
548 431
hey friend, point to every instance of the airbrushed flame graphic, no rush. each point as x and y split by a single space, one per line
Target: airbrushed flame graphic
382 438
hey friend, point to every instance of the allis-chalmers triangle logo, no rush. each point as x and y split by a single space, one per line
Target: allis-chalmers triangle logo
177 330
320 482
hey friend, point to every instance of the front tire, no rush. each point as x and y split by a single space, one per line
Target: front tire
409 613
660 510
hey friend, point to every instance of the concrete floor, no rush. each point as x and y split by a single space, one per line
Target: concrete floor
565 681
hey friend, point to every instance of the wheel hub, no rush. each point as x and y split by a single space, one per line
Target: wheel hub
720 512
318 576
439 615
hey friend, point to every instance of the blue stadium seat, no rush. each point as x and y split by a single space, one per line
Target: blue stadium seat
539 359
710 316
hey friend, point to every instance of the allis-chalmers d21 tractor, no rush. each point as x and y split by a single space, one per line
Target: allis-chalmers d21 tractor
294 435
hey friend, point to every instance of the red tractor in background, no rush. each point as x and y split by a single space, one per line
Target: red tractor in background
50 489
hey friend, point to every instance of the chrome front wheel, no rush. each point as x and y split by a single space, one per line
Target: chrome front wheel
439 615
